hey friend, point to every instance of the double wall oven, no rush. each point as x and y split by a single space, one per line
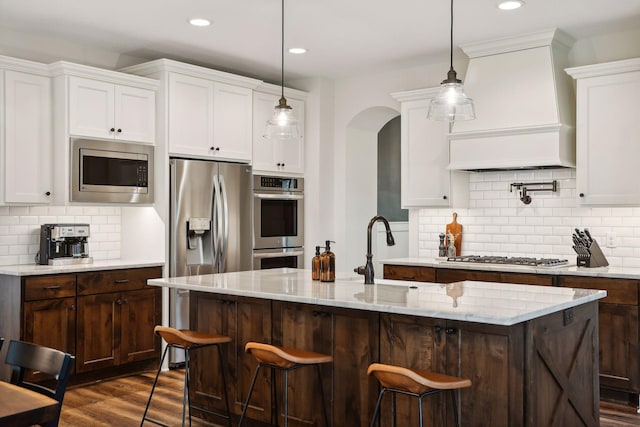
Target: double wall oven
278 222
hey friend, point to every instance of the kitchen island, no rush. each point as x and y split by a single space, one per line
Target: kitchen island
530 352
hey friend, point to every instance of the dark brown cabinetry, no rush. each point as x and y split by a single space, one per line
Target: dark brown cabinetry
491 356
619 331
115 328
242 319
352 338
49 312
619 334
105 319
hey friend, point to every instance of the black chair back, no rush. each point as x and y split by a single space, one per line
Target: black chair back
1 342
24 356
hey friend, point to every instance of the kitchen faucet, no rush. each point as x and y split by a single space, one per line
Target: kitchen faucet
367 269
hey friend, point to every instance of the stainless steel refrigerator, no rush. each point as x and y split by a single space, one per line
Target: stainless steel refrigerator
210 224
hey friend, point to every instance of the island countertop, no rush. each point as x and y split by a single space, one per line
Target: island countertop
471 301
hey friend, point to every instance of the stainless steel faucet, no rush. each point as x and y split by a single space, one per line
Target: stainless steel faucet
367 269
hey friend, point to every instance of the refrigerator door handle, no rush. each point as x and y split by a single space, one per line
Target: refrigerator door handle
217 204
225 225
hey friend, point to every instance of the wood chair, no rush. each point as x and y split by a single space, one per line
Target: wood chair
411 382
24 356
188 340
286 359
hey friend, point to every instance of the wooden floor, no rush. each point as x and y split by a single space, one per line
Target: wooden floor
121 402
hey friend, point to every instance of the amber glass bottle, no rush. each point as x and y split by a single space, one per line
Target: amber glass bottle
315 265
328 264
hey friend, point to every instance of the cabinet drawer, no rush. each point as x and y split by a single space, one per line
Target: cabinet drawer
619 291
47 287
406 272
116 280
448 276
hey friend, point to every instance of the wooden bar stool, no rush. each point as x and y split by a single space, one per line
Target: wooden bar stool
188 341
286 359
411 382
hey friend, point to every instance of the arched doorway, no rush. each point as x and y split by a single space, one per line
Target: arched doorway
361 188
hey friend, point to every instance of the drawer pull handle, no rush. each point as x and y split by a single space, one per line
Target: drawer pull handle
119 301
52 288
73 307
122 281
408 277
450 331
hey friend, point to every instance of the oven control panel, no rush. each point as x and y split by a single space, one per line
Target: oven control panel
277 183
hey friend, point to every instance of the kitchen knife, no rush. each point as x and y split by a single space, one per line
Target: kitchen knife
586 231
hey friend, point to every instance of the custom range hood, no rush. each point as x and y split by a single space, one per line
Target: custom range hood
525 109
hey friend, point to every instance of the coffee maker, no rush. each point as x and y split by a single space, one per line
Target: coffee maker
64 244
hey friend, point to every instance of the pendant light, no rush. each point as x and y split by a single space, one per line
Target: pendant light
283 124
451 103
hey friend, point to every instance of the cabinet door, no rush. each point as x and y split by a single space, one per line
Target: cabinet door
491 357
242 319
416 343
306 328
619 369
28 138
50 323
91 108
264 149
140 312
426 181
98 329
232 111
135 114
607 172
191 116
290 152
276 155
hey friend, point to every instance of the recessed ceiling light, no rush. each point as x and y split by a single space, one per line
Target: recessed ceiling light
511 4
297 50
199 22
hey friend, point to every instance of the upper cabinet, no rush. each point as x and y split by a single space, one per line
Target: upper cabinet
90 102
425 179
607 129
26 135
275 155
106 110
209 118
203 113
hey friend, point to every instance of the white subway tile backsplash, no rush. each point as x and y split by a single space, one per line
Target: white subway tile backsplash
498 223
20 230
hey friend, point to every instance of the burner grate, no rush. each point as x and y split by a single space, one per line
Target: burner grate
534 262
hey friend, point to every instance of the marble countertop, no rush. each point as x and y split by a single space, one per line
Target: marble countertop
484 302
567 270
114 264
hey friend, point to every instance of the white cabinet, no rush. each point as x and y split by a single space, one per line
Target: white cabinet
274 155
209 118
106 110
608 132
425 179
27 137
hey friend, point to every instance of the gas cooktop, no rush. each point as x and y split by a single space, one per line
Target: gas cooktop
534 262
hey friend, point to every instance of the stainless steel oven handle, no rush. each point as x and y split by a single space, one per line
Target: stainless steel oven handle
278 196
182 292
278 254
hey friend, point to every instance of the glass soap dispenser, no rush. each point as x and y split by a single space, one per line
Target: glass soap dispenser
328 264
315 265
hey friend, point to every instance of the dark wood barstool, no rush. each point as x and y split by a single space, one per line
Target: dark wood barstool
188 341
411 382
286 359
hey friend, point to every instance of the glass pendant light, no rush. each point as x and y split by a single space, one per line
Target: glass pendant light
283 124
451 104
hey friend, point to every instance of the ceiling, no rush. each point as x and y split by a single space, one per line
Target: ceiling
343 37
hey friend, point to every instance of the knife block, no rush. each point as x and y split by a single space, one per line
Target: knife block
595 259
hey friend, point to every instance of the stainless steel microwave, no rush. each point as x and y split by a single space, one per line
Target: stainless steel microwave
111 171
